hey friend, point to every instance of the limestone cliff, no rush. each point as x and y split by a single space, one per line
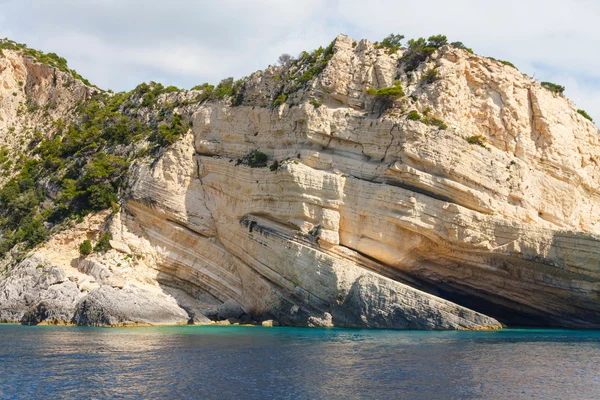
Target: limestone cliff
313 197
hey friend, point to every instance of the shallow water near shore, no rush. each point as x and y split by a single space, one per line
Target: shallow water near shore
296 363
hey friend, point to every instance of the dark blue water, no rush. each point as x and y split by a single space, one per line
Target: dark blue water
296 363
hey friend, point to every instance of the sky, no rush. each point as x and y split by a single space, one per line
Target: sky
117 44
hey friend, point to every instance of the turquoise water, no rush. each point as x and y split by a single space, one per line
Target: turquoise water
294 363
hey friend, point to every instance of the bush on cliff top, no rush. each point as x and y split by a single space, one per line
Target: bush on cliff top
297 73
227 88
553 87
391 43
585 115
420 49
460 45
51 59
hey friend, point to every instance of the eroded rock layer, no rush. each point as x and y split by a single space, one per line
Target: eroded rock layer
355 215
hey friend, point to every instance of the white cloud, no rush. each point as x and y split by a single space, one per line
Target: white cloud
118 44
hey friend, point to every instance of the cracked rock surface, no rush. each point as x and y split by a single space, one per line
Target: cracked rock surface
361 218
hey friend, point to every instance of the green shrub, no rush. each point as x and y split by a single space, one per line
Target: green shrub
585 115
391 43
224 88
256 159
435 122
392 92
420 49
168 134
48 59
100 197
553 87
207 92
460 45
86 163
103 244
386 96
85 248
431 75
478 140
504 62
315 103
437 41
280 100
227 88
414 116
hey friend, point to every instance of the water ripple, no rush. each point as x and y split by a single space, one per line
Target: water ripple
294 363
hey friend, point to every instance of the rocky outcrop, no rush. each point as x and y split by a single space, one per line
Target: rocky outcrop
360 216
108 306
33 98
37 291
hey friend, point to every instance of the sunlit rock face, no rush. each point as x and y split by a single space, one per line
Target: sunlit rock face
363 217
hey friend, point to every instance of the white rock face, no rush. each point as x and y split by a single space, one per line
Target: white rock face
365 218
32 97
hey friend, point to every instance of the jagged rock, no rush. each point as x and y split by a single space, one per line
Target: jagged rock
100 272
108 306
39 289
122 247
229 309
326 321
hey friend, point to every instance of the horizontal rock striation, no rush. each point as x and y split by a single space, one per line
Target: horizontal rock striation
334 208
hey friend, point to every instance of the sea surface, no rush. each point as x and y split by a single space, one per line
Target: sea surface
296 363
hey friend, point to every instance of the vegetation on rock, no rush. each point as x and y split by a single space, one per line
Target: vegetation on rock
385 97
478 140
504 62
103 243
420 49
553 87
255 159
460 45
51 59
585 115
391 43
431 75
85 248
83 166
435 122
414 116
228 88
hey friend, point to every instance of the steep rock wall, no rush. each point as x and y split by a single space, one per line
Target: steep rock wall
363 217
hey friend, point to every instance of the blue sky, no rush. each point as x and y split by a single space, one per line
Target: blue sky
117 44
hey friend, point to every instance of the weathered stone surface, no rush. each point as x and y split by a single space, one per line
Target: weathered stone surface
122 247
128 306
367 219
230 309
39 289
